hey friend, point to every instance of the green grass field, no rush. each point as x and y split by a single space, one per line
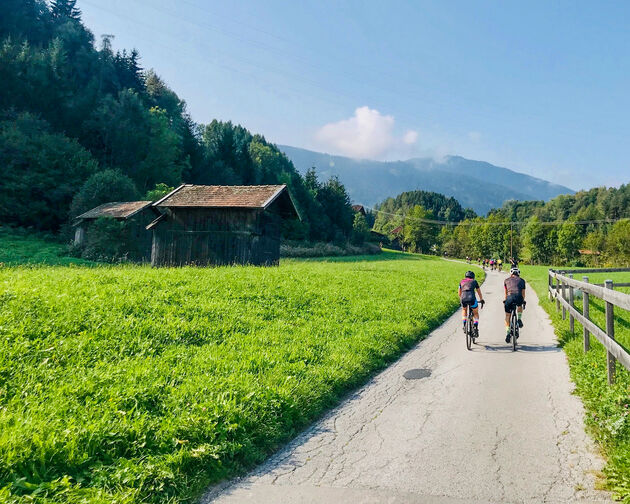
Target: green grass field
608 408
20 247
129 384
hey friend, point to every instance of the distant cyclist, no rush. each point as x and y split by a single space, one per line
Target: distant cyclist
499 264
514 287
466 291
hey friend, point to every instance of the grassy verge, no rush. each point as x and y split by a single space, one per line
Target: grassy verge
608 408
129 384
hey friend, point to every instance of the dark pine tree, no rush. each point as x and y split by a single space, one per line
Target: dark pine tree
129 70
61 9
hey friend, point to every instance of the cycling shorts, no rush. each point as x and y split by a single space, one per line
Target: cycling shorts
513 300
472 304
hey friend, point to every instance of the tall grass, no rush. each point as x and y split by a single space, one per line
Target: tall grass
608 407
130 384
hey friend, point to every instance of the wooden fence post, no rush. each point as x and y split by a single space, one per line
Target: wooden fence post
610 331
585 312
549 285
557 293
571 319
564 296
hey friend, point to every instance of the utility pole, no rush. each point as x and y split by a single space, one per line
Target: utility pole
511 232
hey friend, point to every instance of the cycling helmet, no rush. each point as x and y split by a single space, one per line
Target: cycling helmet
515 271
470 274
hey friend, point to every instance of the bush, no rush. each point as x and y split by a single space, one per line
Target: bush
360 230
103 187
158 192
323 249
109 240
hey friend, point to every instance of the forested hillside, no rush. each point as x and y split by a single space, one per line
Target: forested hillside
587 228
475 184
81 122
442 207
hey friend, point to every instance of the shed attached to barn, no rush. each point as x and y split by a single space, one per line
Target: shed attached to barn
202 225
135 214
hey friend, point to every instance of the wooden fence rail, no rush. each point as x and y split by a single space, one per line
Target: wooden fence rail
617 284
593 270
564 292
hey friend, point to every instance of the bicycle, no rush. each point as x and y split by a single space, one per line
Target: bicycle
514 329
472 331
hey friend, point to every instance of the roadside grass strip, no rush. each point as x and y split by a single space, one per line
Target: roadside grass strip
607 407
129 384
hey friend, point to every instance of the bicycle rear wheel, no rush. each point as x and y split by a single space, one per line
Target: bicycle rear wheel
469 332
514 329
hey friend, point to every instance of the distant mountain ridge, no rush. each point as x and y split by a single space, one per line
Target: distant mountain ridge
475 184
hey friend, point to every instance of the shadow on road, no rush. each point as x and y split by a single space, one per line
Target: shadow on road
507 348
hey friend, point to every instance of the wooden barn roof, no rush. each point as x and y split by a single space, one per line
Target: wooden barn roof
189 195
359 209
116 210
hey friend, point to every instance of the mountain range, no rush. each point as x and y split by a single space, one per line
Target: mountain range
475 184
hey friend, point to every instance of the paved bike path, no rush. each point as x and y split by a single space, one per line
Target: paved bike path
487 425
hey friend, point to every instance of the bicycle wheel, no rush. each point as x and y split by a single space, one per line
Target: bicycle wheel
469 332
514 329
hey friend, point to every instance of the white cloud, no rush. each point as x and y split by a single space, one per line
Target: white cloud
475 136
411 137
367 134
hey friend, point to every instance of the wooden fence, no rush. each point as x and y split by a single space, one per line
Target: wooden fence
563 291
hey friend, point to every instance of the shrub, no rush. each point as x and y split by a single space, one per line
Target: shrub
109 240
360 230
103 187
323 249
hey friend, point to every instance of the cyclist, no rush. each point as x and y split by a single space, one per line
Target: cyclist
499 264
466 291
514 287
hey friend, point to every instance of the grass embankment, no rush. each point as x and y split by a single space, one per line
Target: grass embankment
608 407
129 384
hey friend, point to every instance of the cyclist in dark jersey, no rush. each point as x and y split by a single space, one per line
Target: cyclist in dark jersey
514 296
466 291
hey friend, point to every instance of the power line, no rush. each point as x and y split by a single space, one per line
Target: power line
331 94
495 223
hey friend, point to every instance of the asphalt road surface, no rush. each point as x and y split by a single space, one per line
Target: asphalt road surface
445 425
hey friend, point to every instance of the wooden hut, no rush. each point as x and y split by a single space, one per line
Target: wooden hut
359 209
396 242
136 213
203 225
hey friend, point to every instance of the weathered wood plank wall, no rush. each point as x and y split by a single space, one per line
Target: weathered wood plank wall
203 236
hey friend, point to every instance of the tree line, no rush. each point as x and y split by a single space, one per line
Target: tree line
589 228
81 125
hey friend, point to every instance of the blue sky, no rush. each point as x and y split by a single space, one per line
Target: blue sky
539 87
